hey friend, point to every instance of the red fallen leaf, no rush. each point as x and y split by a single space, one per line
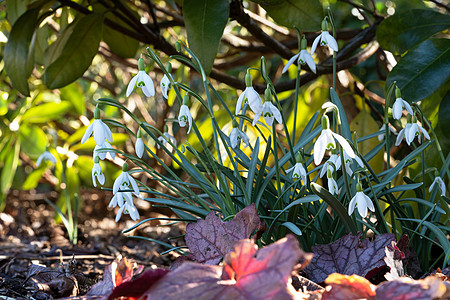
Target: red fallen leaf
348 287
348 255
115 273
211 239
247 273
135 288
393 260
406 288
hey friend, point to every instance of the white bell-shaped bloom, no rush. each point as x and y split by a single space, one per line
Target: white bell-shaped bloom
325 38
45 156
348 162
165 138
333 164
185 117
165 86
141 80
402 134
332 184
362 201
269 112
397 108
416 130
97 173
237 135
303 57
119 199
383 132
298 172
128 208
99 130
250 96
139 147
125 182
439 183
103 153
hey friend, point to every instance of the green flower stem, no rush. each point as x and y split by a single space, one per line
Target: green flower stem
277 167
387 137
297 87
378 210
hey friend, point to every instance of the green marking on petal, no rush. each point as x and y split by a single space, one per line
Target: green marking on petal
268 114
330 146
141 84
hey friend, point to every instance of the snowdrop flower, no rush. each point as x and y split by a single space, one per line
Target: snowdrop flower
119 199
45 156
333 163
185 114
332 184
141 80
403 134
399 105
128 208
326 141
325 39
303 57
125 181
163 139
165 81
98 129
102 153
383 132
439 183
298 169
139 146
97 173
250 96
269 111
414 131
348 161
237 135
362 201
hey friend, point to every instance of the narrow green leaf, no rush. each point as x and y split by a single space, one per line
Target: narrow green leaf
390 94
423 202
292 227
344 122
442 238
74 94
77 54
306 15
9 168
422 70
336 205
205 21
19 54
444 115
41 44
404 30
252 169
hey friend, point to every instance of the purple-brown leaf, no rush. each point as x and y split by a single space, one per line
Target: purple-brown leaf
348 255
211 239
406 288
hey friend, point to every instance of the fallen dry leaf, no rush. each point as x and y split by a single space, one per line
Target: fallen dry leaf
211 239
248 273
348 255
51 282
393 260
406 288
348 287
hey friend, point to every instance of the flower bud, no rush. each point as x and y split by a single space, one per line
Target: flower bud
124 167
324 25
325 122
186 100
303 43
178 46
139 135
248 80
96 112
359 187
267 94
398 93
141 64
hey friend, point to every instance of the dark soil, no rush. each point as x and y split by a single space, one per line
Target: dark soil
30 237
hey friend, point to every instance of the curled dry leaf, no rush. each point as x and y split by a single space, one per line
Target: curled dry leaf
393 260
247 273
348 255
409 289
348 287
211 239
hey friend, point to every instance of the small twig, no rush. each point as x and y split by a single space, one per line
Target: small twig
440 4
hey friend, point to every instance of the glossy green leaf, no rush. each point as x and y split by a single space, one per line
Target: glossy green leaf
74 94
33 140
405 30
55 49
9 167
77 54
292 227
33 179
306 15
19 54
15 8
45 112
205 21
444 115
41 44
422 70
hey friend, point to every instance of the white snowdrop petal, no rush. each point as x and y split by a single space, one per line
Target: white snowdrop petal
131 85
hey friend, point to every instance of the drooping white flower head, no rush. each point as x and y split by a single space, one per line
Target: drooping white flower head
269 111
165 81
303 57
125 182
103 153
415 130
326 141
139 146
439 183
362 201
98 129
119 199
403 134
399 105
128 208
333 164
383 132
332 184
45 156
184 116
348 162
141 80
166 137
298 168
237 135
97 173
325 39
250 96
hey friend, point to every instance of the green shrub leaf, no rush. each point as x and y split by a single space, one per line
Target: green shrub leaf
422 70
205 21
46 112
33 140
77 54
405 30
